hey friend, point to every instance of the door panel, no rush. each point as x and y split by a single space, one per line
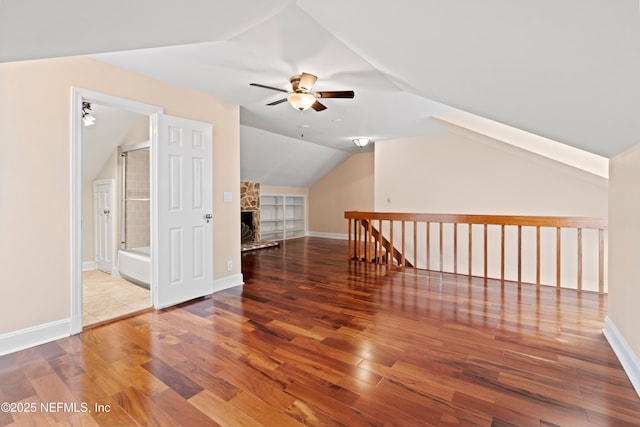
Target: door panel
184 195
103 224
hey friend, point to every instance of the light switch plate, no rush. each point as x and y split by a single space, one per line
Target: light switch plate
226 197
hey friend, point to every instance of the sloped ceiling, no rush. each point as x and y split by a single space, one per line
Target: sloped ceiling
567 71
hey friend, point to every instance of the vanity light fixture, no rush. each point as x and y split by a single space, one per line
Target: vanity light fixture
87 118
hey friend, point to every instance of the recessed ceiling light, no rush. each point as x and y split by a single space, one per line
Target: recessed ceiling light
361 141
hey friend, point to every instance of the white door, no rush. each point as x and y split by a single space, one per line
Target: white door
103 217
183 248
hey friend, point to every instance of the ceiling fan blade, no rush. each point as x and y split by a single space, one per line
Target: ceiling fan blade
269 87
335 94
280 101
307 81
318 106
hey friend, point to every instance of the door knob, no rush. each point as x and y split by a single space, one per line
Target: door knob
107 211
208 217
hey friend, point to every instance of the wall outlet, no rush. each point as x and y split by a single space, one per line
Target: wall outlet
229 265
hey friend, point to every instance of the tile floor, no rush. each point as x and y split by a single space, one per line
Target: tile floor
105 297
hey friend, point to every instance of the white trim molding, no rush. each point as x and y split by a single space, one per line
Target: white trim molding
228 282
88 265
328 235
33 336
628 359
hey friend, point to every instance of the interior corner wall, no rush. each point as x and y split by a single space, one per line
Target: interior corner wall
624 245
452 173
35 178
347 187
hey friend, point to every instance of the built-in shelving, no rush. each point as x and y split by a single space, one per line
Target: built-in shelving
282 216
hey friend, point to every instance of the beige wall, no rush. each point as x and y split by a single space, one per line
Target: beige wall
624 245
452 173
347 187
35 182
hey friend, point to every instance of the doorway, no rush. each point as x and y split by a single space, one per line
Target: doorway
181 208
116 215
96 151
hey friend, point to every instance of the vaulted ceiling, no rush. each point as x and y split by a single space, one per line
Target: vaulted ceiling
565 70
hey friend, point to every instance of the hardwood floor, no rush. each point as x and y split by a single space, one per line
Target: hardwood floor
314 339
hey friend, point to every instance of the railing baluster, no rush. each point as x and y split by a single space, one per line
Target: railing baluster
519 254
441 262
428 246
358 241
415 244
502 253
379 242
391 254
369 241
403 246
486 255
601 260
579 259
558 238
349 240
537 255
455 248
470 248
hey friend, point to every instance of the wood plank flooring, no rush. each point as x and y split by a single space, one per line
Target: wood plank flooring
313 339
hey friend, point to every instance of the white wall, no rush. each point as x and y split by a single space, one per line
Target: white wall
452 173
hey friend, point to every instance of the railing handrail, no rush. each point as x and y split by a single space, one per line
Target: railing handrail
514 220
374 244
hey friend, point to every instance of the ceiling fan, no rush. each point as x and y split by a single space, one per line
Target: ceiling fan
301 97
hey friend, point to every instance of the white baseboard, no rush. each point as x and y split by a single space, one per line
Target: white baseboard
33 336
328 235
88 265
41 334
628 359
228 282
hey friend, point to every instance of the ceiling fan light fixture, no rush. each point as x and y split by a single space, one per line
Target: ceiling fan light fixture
301 100
361 141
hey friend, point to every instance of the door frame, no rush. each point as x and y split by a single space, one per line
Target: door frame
114 214
78 96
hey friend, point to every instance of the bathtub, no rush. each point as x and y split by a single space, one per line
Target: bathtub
134 264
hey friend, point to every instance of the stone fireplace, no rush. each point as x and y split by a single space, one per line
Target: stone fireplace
247 227
250 217
250 211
